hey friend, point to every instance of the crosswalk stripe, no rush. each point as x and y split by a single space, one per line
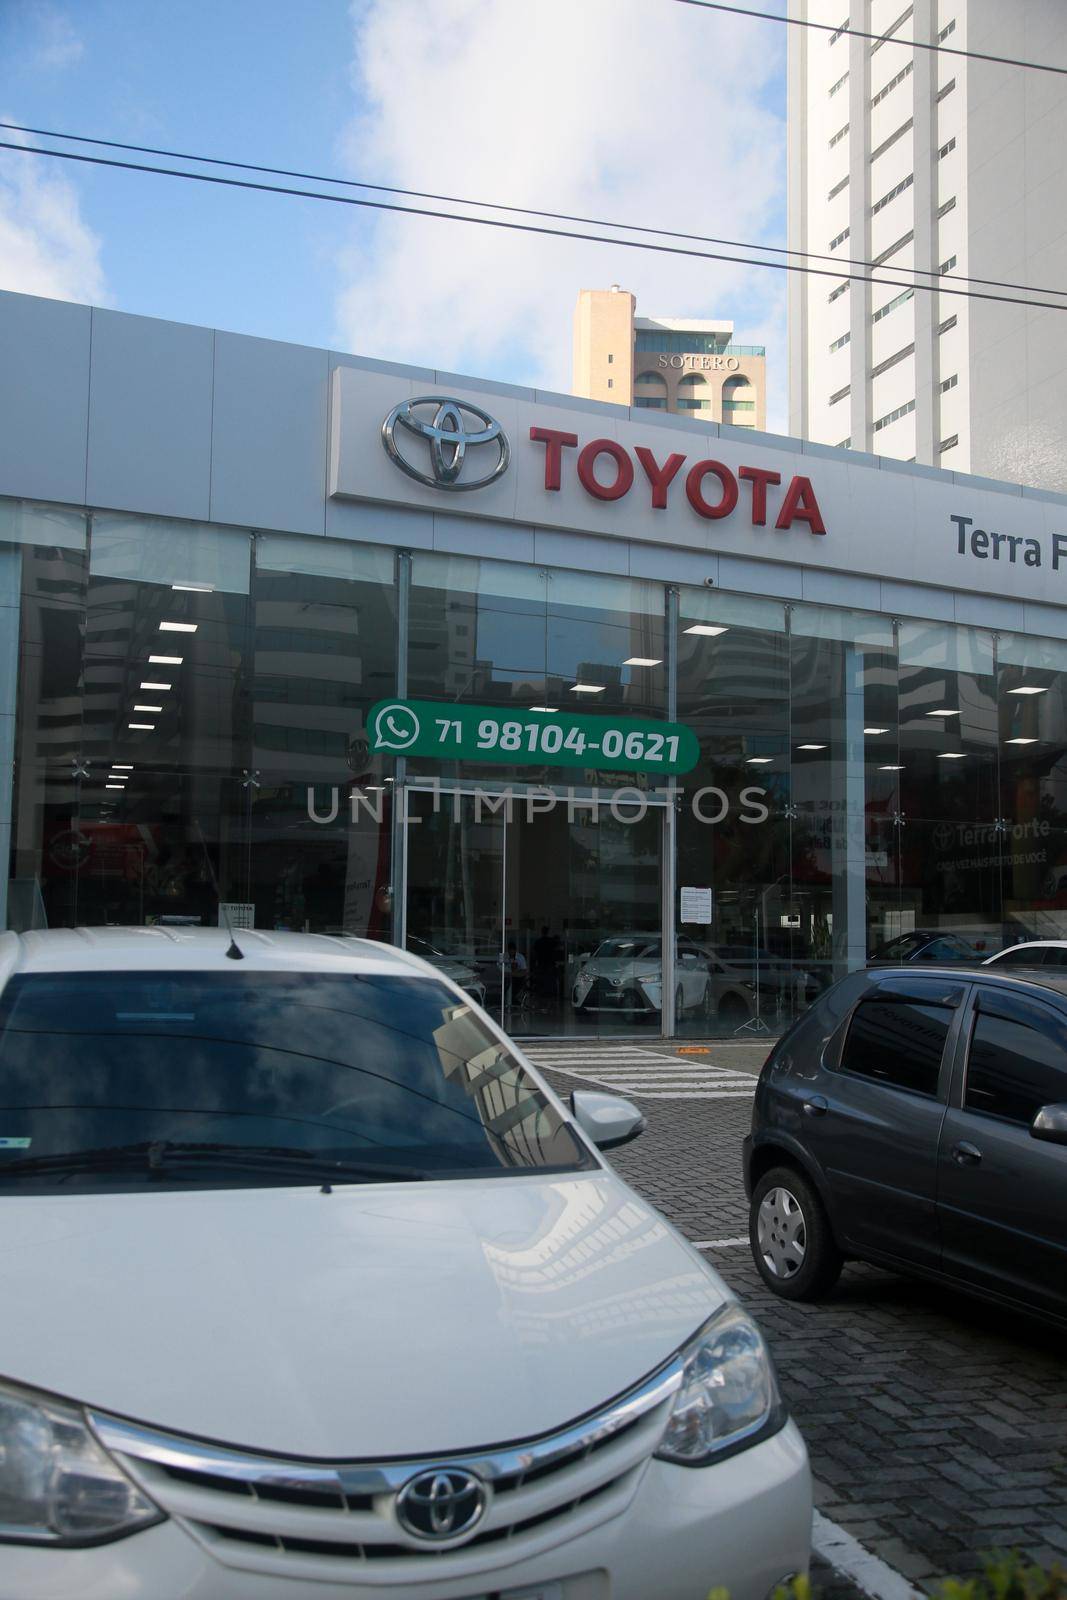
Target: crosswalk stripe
645 1073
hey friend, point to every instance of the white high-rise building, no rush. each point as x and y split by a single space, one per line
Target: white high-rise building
916 159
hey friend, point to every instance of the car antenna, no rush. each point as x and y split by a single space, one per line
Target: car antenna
234 953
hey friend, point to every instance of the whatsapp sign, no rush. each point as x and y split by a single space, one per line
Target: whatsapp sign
530 738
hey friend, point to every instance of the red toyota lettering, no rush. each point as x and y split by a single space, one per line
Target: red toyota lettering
694 489
800 504
659 477
553 442
759 477
624 473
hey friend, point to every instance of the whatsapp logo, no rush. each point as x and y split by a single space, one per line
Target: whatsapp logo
395 726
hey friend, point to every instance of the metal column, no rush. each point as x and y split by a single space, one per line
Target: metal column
669 831
399 862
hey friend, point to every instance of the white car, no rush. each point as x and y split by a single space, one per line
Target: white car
625 974
312 1287
1034 953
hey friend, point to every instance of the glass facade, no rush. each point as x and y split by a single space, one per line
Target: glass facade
189 726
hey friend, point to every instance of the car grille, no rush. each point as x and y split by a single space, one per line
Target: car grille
322 1519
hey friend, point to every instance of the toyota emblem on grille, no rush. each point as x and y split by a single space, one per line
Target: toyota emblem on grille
441 1504
445 431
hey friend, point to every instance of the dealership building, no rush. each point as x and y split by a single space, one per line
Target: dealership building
639 721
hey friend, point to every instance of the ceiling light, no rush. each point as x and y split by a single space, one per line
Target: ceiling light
643 661
1020 741
544 708
1028 688
166 661
112 785
122 766
149 727
588 688
943 711
890 769
759 761
148 708
178 627
951 755
811 747
705 629
866 730
147 685
195 588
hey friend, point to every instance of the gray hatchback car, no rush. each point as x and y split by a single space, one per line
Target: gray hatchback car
918 1121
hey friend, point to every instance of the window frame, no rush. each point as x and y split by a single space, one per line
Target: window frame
975 1009
909 990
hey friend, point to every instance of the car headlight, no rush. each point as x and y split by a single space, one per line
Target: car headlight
57 1484
729 1395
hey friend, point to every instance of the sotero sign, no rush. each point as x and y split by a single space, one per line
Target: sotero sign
530 738
605 470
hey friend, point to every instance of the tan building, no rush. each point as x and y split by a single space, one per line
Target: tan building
689 366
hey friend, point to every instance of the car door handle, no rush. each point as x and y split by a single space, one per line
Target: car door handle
816 1106
966 1155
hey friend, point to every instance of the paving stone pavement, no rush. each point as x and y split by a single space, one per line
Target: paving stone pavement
936 1425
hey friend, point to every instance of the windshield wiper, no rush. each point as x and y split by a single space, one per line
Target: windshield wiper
159 1155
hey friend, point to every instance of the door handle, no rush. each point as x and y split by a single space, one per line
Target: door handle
816 1106
966 1155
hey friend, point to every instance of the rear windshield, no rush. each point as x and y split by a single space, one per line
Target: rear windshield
120 1079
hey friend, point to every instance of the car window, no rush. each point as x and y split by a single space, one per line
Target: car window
1055 956
1017 1061
897 1040
1023 956
374 1071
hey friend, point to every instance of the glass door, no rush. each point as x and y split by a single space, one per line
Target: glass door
545 907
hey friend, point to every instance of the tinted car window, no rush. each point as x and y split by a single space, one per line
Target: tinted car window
897 1041
1024 957
389 1076
1017 1061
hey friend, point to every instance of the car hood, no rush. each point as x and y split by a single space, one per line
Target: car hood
372 1321
622 966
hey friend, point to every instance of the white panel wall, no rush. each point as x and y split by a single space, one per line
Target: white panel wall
44 397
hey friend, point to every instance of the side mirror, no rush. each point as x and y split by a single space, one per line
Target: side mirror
1050 1124
607 1119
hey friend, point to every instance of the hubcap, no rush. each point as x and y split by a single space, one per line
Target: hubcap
780 1233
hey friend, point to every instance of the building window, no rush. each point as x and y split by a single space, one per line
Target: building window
901 355
610 360
836 190
905 127
611 383
950 27
950 383
694 393
838 136
842 80
948 444
947 266
899 188
839 344
893 416
949 86
840 395
846 444
891 30
843 28
949 322
841 237
645 402
945 148
891 305
893 248
737 385
949 205
836 293
891 85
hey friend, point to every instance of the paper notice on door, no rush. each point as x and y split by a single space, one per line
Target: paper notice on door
696 905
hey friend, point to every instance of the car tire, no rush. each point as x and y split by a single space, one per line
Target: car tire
792 1242
733 1012
679 1003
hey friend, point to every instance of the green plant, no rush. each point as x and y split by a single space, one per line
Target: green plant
1005 1575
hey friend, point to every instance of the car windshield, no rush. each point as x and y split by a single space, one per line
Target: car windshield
623 949
904 945
117 1079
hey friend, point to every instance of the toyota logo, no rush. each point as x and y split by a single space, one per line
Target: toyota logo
449 438
441 1504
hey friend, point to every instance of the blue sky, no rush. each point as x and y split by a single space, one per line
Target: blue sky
504 99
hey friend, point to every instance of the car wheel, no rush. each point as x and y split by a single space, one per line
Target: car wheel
732 1011
792 1242
679 1003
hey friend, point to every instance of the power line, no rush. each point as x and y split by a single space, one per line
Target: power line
529 211
878 38
514 227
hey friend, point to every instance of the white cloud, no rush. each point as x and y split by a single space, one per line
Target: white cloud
46 247
622 109
59 44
